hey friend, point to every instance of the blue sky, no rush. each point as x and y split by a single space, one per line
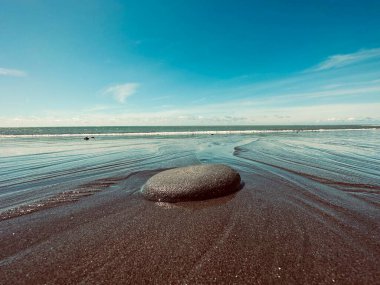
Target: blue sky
90 62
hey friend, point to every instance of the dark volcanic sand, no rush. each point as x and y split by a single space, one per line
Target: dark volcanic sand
286 226
258 235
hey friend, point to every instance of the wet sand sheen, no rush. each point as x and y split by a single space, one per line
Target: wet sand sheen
250 237
282 227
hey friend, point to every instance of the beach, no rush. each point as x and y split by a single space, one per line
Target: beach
308 212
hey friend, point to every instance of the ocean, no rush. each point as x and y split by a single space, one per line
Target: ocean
38 163
318 181
166 130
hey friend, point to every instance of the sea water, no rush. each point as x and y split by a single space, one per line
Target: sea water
338 164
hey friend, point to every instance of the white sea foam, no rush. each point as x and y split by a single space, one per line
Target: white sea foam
182 133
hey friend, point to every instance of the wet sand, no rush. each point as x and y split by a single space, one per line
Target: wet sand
292 223
259 235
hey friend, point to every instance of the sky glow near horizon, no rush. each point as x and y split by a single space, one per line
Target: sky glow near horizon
77 63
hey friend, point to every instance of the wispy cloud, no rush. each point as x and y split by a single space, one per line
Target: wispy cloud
97 108
341 90
360 91
341 60
120 92
316 114
12 72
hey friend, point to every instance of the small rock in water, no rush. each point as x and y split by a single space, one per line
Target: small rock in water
197 182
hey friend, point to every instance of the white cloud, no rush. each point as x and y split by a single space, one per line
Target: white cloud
12 72
332 93
121 91
341 60
211 115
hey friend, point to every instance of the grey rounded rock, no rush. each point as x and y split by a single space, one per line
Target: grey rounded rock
197 182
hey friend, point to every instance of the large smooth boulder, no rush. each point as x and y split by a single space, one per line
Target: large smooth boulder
197 182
